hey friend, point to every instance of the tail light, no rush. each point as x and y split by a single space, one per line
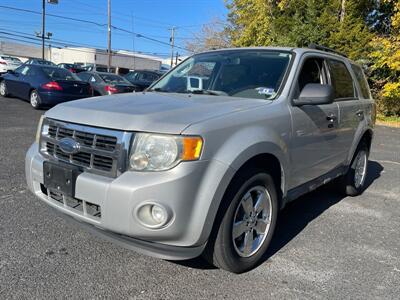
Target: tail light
52 85
110 89
3 63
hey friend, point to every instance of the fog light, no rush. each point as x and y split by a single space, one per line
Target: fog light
152 215
159 214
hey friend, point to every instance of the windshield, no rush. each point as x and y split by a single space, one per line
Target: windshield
249 74
113 79
12 59
59 74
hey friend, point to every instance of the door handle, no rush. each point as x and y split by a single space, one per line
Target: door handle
331 118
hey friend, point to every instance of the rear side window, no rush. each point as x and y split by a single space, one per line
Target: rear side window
59 74
362 81
341 79
84 76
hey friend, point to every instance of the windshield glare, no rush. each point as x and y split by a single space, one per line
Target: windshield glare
248 74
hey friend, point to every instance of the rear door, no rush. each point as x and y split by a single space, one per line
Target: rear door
17 81
350 110
313 150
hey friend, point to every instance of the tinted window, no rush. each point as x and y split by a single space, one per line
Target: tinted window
83 76
59 74
341 80
362 81
111 78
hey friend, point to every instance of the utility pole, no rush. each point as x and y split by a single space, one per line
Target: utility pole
172 40
109 35
43 24
43 35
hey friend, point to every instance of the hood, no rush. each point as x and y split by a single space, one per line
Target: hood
149 112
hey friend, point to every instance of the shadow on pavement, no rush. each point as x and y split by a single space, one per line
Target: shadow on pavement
296 216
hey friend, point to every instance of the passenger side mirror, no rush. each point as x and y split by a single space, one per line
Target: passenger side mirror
315 94
11 72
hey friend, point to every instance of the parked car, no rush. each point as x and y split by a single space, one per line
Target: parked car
38 61
8 63
43 85
202 162
106 83
98 68
142 78
71 67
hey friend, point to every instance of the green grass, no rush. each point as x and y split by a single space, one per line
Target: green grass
393 121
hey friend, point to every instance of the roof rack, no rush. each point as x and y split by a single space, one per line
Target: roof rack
326 49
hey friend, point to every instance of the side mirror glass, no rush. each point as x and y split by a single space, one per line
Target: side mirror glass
315 94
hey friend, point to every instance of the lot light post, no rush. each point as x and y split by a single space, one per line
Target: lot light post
43 35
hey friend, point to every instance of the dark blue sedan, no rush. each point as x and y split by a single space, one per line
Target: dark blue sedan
43 85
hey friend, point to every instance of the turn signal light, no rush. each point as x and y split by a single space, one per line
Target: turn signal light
191 147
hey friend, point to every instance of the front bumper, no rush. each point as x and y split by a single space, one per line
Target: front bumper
191 193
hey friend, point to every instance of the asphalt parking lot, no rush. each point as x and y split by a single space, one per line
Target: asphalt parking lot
326 246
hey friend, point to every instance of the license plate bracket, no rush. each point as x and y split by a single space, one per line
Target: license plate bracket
60 177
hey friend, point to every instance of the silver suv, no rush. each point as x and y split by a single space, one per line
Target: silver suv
202 162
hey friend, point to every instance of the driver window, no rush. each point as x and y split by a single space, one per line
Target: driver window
311 72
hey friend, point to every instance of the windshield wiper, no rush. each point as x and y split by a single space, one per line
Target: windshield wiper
158 90
208 92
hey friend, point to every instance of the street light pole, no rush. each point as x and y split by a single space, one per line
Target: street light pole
43 24
109 35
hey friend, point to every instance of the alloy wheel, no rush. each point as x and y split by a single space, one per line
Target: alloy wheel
252 221
3 88
360 168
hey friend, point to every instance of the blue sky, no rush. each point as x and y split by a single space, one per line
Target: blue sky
150 17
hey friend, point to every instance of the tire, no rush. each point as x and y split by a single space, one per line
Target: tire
3 89
34 99
353 182
226 248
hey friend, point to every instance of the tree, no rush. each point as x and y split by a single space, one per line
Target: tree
333 23
386 64
212 36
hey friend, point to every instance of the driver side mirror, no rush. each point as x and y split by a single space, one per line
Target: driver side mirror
315 94
11 72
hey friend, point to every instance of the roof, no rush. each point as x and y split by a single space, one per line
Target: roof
286 49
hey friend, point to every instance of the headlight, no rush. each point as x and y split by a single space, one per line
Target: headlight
158 152
39 129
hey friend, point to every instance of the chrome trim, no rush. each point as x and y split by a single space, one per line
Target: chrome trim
118 155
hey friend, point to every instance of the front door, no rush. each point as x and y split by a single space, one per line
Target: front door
313 150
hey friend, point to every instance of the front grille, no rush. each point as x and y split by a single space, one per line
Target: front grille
101 151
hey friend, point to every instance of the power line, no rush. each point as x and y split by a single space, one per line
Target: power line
139 35
67 45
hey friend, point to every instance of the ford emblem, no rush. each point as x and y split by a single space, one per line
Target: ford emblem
69 145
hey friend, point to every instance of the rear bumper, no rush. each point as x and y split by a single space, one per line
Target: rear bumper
53 98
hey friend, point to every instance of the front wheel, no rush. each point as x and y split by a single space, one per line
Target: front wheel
3 89
353 182
245 223
35 99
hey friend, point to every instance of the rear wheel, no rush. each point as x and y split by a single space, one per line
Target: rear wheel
35 99
353 182
245 224
3 89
